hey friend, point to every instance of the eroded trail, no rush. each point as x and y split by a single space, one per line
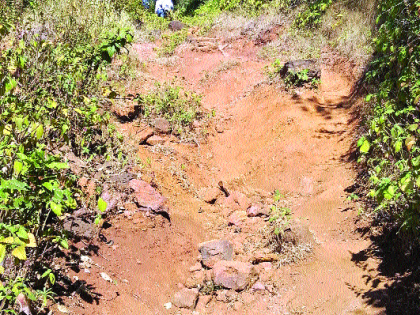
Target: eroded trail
265 139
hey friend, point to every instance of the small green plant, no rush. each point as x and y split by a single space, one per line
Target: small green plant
279 215
311 16
178 106
300 78
171 41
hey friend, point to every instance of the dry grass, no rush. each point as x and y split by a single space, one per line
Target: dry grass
225 65
346 27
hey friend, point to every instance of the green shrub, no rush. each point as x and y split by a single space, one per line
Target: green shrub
52 74
178 106
390 148
311 16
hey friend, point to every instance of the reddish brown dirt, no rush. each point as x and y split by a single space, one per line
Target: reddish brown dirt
271 140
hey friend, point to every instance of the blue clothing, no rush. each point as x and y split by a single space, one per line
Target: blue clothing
162 7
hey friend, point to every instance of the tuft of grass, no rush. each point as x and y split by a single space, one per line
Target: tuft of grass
178 106
170 41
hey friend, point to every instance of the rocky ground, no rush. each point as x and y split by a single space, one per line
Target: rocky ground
251 218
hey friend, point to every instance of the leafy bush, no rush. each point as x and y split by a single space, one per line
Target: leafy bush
390 148
311 16
179 107
52 75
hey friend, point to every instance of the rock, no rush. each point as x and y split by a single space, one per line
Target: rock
106 277
297 233
79 226
270 288
258 286
266 265
111 200
196 124
237 306
186 298
233 275
24 306
162 125
267 35
215 250
210 195
146 196
176 26
221 296
219 128
83 181
203 300
155 140
62 309
247 297
236 201
145 134
196 279
196 267
292 67
257 211
237 218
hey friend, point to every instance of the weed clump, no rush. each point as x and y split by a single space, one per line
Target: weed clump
181 108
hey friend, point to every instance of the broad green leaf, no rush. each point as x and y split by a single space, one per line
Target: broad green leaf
22 233
19 252
390 192
63 243
2 252
7 240
58 165
1 270
398 146
14 184
31 240
17 167
52 278
365 147
48 185
30 294
406 183
39 132
56 208
19 123
102 205
46 273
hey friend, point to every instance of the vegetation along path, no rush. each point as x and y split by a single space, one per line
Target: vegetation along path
266 147
234 157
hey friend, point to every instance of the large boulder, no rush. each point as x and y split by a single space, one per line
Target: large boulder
235 275
215 250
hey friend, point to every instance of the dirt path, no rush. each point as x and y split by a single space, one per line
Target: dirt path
265 139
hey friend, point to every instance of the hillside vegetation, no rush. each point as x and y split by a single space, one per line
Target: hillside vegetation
56 89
